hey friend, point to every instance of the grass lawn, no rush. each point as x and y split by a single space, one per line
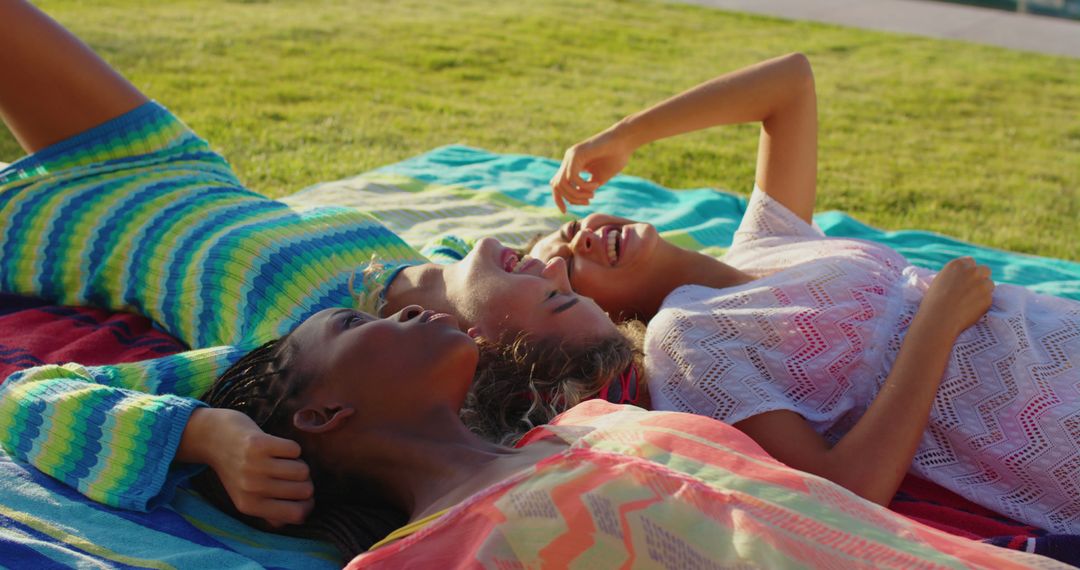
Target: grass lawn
977 142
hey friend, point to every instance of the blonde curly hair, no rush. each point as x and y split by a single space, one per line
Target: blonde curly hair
527 382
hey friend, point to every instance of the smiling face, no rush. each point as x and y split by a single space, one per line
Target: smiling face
388 367
607 258
495 295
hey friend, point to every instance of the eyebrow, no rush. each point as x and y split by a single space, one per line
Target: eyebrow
335 316
564 306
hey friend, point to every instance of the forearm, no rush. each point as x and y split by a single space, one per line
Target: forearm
54 417
58 419
778 93
759 93
874 456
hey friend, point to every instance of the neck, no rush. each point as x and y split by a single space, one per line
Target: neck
425 468
422 285
685 267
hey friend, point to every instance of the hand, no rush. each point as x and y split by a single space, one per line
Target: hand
959 295
263 475
603 155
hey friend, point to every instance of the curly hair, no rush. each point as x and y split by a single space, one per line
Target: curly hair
264 385
525 383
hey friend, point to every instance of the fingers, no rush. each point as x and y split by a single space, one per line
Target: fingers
281 513
578 194
278 513
280 447
288 470
968 264
280 492
559 200
961 263
568 185
276 489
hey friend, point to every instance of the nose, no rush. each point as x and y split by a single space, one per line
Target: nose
408 313
555 271
584 242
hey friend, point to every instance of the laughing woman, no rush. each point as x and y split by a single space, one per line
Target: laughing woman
121 206
836 355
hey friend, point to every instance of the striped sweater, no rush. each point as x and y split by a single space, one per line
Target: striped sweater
139 214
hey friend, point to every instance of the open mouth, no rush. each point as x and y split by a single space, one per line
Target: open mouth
512 264
509 260
613 239
429 316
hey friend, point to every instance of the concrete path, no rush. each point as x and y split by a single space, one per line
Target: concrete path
927 18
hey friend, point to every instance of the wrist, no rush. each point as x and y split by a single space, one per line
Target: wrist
929 326
629 133
195 446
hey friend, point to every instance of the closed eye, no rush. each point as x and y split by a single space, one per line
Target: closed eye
570 230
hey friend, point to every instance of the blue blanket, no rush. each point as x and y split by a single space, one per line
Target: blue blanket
44 524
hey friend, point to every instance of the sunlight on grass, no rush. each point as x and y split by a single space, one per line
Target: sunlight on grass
978 142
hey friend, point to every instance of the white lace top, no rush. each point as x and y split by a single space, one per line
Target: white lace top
817 334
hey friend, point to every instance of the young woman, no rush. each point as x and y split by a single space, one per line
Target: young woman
119 205
374 403
836 355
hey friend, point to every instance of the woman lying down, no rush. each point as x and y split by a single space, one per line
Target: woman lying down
374 404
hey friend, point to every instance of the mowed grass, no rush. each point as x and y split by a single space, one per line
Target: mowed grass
977 142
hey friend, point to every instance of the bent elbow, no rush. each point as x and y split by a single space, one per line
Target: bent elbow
800 68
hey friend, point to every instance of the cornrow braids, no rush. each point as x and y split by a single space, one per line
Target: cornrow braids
257 384
264 385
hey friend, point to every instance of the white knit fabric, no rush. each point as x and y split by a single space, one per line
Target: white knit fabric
817 334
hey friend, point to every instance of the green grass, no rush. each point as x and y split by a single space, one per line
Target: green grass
977 142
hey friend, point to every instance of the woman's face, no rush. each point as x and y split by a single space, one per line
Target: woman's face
498 295
607 258
409 359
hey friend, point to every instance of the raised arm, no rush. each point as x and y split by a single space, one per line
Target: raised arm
873 457
778 93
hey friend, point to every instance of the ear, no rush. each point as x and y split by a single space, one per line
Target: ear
321 419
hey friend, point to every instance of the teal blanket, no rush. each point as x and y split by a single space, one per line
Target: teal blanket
708 217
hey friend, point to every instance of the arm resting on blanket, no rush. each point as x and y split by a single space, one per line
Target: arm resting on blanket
102 430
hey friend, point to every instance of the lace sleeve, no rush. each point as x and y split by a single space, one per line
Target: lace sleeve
766 217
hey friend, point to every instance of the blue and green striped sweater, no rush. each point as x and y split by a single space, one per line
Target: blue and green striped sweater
139 214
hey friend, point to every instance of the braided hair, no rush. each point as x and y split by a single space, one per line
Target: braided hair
264 385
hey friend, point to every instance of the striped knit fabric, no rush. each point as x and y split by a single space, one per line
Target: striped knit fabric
138 214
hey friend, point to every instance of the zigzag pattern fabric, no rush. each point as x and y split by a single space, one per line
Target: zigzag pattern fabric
140 215
819 331
640 489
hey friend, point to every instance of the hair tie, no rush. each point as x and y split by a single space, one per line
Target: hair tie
622 390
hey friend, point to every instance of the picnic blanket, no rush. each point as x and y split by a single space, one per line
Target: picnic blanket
470 193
